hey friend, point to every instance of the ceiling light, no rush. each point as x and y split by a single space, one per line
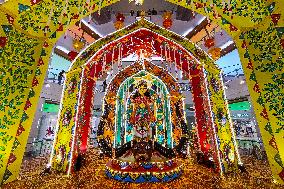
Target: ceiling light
227 44
137 2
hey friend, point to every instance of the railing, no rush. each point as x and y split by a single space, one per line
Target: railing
44 147
39 148
252 148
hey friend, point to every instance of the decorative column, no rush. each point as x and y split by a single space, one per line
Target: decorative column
261 51
63 147
86 106
227 146
24 62
208 144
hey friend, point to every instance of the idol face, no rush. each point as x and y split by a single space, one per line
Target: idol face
142 89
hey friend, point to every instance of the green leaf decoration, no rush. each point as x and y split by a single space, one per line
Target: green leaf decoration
277 158
16 144
2 148
268 128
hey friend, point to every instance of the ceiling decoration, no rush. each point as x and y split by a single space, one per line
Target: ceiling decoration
152 42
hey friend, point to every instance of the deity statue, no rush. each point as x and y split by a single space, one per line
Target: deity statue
143 112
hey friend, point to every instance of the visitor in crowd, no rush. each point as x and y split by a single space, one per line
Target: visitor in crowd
104 86
60 76
138 13
132 12
149 12
79 162
46 171
154 12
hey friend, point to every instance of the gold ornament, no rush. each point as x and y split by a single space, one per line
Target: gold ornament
118 25
215 53
177 134
78 45
167 23
108 134
167 15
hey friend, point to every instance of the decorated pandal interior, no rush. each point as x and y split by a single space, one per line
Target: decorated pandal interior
143 136
143 128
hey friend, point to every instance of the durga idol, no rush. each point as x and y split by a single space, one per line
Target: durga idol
143 112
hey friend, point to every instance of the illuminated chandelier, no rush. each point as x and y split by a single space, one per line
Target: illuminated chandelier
137 2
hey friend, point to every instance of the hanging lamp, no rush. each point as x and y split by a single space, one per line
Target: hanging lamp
213 51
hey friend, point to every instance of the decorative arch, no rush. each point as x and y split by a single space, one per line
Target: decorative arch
28 27
100 56
161 42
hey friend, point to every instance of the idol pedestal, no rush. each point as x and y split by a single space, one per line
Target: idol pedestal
158 169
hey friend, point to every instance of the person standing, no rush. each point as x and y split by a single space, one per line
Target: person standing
154 12
104 85
60 76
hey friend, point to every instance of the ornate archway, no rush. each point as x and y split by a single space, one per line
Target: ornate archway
29 28
100 57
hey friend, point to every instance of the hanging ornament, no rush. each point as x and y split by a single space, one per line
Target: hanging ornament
167 23
209 42
119 21
118 25
215 52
